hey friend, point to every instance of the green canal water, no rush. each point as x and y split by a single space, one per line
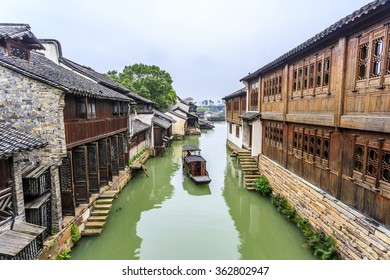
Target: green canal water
165 216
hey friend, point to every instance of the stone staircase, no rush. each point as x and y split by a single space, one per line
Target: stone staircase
95 223
249 166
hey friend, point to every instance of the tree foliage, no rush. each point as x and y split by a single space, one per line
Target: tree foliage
148 81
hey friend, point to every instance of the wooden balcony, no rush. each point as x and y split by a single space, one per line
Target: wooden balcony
83 131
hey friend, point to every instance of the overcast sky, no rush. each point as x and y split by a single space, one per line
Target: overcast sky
206 45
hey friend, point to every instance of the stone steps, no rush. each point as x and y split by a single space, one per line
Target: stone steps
108 194
100 212
104 201
249 167
102 207
95 223
97 218
92 231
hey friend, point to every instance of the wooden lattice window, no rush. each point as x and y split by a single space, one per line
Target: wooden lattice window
81 108
376 58
273 134
295 140
79 164
36 180
91 110
305 77
326 147
359 158
311 75
295 80
115 108
65 175
236 104
363 61
326 71
243 104
319 73
102 153
237 131
385 170
92 159
300 74
19 52
230 128
114 149
372 161
306 143
254 96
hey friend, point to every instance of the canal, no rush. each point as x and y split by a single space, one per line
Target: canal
166 216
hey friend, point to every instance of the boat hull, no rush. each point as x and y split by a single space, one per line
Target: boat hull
200 179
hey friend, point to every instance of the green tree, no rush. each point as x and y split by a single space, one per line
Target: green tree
148 81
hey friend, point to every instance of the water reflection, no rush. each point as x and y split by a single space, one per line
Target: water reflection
167 216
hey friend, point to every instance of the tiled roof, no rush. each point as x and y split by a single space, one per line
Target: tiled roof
42 69
89 72
334 30
13 141
177 115
139 126
235 94
162 115
140 99
104 80
249 115
161 122
19 31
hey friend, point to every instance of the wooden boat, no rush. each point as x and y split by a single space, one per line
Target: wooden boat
195 165
205 124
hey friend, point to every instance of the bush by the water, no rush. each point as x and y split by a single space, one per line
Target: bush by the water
318 242
262 186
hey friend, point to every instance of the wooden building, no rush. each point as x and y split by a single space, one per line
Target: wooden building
84 122
325 117
22 229
235 106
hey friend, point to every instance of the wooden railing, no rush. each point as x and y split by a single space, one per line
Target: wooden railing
77 131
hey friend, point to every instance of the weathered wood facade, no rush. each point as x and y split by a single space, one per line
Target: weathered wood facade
236 104
96 140
325 110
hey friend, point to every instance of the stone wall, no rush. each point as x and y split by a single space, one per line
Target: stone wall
35 108
357 236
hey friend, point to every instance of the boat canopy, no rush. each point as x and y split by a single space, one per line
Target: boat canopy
194 158
190 148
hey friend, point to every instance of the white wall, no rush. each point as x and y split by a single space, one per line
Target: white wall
178 128
232 136
256 137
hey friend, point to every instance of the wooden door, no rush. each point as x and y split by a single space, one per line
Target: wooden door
103 162
157 131
93 168
80 170
114 155
121 151
67 186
